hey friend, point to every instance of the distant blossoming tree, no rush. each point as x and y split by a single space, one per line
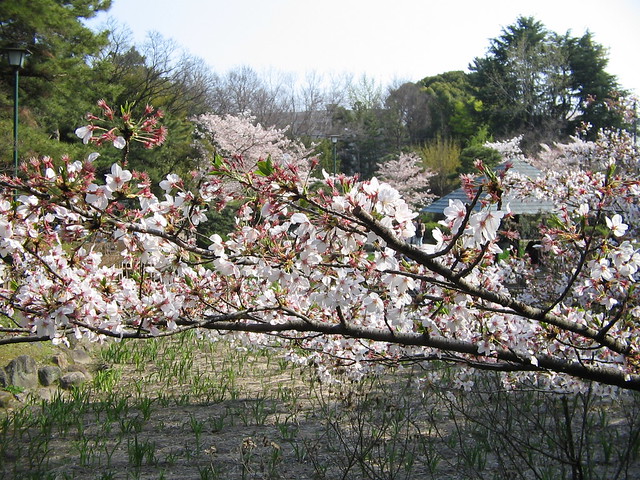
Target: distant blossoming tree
328 266
409 177
240 136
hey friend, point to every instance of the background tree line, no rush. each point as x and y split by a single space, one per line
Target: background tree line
531 82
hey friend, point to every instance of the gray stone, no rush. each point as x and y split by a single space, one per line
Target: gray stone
60 360
80 368
80 356
6 399
72 379
3 378
21 372
49 374
45 393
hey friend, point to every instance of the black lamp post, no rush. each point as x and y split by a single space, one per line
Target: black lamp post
334 141
15 57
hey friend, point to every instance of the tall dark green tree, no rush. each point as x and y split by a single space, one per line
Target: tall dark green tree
57 84
452 105
592 85
408 118
538 83
363 142
157 72
363 139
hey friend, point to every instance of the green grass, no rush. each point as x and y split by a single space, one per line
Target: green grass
41 352
192 409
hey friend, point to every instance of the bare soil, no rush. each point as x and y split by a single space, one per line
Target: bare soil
190 409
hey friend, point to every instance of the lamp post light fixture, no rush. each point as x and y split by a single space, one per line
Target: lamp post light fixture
334 141
15 57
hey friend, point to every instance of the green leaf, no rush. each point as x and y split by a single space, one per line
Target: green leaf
265 167
217 166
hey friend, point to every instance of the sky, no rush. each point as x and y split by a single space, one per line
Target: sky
386 40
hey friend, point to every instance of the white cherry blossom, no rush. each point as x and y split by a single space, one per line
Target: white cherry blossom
117 178
615 224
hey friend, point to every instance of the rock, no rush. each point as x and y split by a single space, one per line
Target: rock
82 369
21 372
49 374
6 399
24 396
45 393
60 360
3 378
80 356
72 379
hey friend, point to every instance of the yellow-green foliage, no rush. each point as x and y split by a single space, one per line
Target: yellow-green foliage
442 156
40 351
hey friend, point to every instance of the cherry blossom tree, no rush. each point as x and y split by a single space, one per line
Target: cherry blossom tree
241 136
409 177
327 268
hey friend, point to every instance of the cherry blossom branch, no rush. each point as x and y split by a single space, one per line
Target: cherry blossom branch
584 255
23 339
465 221
537 362
328 268
519 308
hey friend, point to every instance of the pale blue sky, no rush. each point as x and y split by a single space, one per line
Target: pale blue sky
384 39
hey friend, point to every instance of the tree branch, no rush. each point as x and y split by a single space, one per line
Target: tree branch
522 309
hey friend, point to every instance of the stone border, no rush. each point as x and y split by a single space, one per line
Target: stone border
67 369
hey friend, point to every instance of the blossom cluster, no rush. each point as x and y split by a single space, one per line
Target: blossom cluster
120 130
330 267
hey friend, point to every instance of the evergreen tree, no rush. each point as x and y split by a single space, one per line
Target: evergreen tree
452 105
541 84
592 85
57 83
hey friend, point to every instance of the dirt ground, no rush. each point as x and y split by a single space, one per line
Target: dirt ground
195 410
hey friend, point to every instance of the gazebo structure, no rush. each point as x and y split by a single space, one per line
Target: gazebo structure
519 206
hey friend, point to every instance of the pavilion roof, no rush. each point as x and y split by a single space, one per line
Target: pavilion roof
528 205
